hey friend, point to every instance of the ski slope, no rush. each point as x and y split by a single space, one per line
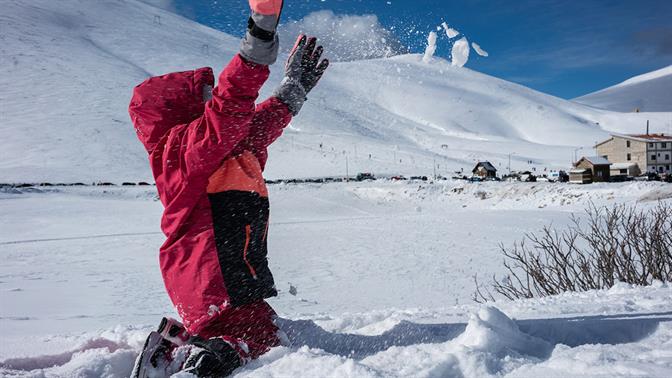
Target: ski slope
649 92
68 72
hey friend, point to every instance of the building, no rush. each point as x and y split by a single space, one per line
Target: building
624 169
597 165
580 176
650 152
484 170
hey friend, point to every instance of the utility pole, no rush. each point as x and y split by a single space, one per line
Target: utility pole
347 174
512 153
434 166
575 151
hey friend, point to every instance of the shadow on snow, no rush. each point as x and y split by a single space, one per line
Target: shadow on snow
599 329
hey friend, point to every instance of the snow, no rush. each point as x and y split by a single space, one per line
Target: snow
431 47
450 32
649 92
358 297
396 110
344 37
460 52
375 278
657 74
478 49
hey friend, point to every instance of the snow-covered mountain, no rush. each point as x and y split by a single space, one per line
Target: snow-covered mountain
69 68
649 92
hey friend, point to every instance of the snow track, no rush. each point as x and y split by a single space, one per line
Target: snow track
78 238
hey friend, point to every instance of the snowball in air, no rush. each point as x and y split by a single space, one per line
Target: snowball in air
450 32
478 49
431 47
460 52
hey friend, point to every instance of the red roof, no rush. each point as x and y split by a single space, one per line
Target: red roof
651 136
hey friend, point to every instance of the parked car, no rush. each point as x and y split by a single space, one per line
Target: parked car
398 178
564 176
558 176
648 176
365 176
619 178
527 176
423 178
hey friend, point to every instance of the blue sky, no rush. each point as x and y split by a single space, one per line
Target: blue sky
565 48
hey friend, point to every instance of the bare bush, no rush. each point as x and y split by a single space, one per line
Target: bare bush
611 244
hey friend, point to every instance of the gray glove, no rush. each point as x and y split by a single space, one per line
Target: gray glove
260 44
302 72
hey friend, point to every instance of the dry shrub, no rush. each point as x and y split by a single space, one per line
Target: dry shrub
611 244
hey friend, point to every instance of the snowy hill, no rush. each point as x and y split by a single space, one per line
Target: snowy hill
650 92
398 115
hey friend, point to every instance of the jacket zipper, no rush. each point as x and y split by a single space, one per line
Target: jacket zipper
248 231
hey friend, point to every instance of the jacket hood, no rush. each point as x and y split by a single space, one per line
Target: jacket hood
163 102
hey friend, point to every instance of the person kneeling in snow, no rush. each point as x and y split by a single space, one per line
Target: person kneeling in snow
207 150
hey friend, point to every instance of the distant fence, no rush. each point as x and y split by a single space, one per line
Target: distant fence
313 180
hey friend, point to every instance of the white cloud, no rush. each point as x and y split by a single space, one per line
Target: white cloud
344 37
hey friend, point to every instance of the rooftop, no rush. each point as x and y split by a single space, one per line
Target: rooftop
660 137
640 137
485 164
622 165
596 160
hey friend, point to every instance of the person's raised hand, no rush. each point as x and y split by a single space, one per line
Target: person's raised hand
302 72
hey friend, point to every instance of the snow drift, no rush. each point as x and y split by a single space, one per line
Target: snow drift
489 344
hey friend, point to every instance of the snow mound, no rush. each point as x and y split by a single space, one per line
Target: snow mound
649 92
518 196
107 354
493 332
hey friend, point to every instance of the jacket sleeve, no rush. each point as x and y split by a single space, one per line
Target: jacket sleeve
270 119
199 148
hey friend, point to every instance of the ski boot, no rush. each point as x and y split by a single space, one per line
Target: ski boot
212 358
157 358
